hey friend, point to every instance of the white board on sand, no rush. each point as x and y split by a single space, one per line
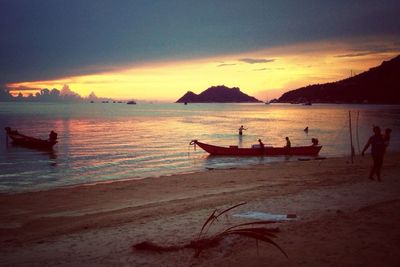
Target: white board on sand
266 216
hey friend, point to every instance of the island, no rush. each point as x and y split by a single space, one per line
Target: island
218 94
378 85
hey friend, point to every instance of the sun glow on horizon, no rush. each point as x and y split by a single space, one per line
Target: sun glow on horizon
263 74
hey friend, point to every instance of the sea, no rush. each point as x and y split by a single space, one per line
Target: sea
105 142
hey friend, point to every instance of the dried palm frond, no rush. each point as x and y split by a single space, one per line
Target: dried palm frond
256 230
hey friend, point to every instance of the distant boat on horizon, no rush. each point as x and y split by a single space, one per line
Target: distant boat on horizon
131 102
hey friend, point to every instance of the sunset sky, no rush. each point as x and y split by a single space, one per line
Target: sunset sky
158 50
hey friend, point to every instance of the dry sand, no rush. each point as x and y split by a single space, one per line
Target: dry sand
343 218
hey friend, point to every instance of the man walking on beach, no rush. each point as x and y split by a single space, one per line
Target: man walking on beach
377 144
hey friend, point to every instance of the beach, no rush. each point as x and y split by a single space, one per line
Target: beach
187 133
342 218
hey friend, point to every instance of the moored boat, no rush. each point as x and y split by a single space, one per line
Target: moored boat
31 142
311 150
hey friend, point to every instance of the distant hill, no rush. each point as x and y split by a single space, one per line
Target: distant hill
378 85
218 94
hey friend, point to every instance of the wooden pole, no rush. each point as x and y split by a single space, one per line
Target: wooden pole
358 139
351 139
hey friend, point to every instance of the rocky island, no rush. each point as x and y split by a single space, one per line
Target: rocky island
218 94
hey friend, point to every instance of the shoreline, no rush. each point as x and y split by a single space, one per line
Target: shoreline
204 170
116 215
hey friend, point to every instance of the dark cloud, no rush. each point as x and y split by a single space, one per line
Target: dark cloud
47 39
358 54
226 64
261 69
372 49
256 60
22 88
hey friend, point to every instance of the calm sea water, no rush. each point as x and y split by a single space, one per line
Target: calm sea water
103 142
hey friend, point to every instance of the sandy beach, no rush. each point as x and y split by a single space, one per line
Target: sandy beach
342 218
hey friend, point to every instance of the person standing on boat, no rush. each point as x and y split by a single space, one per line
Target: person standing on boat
262 146
241 129
377 144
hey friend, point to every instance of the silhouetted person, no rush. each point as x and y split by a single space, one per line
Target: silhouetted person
306 130
288 144
262 146
377 144
241 129
53 136
314 141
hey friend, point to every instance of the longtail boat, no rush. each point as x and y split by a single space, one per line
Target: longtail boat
311 150
31 142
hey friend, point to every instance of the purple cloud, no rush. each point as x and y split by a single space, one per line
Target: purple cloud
256 60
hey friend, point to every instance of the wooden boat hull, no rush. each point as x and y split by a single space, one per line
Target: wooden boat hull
30 142
311 150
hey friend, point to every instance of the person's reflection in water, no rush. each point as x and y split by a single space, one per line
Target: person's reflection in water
52 157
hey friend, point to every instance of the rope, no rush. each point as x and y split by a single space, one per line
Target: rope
192 143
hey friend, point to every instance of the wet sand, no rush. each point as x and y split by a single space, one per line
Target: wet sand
343 218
